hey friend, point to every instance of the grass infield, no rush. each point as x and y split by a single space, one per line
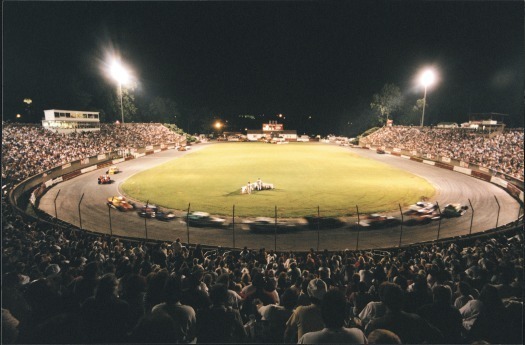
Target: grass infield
305 176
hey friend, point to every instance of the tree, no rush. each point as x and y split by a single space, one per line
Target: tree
387 101
163 110
412 113
128 103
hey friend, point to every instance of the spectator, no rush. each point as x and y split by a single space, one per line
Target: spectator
307 318
184 319
383 336
219 323
334 314
107 319
410 328
442 315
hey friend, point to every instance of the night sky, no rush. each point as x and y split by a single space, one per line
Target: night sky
301 59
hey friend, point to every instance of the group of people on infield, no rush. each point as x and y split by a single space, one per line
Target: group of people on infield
255 186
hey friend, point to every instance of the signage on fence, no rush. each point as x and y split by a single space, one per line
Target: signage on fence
445 159
156 151
58 180
405 157
429 162
65 166
429 156
84 161
48 183
101 157
463 164
149 147
413 153
397 150
171 147
120 160
499 181
91 168
463 170
483 169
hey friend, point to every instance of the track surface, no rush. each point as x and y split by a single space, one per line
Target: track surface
451 187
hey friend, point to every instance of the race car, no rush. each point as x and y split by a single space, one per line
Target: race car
376 220
113 170
454 210
380 151
182 148
148 211
120 203
165 216
421 208
324 222
203 219
104 179
265 225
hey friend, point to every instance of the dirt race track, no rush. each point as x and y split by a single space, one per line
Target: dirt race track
451 187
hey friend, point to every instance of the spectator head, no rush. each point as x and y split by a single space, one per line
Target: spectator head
219 294
107 286
173 289
393 297
289 299
442 294
316 290
333 309
383 336
464 288
155 328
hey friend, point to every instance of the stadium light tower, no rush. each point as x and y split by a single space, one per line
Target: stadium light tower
427 78
121 75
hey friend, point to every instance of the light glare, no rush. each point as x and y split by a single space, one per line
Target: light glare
119 73
427 78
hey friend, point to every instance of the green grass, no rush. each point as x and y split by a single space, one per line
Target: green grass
305 176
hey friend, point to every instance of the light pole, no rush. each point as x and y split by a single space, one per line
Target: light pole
119 73
427 78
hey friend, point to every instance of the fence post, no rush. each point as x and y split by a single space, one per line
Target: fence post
402 221
145 220
519 214
499 208
318 226
439 224
109 215
79 215
275 230
471 217
233 226
55 202
188 224
358 228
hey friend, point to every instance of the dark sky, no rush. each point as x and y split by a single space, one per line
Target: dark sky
319 59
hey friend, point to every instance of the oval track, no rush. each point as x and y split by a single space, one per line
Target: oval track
450 186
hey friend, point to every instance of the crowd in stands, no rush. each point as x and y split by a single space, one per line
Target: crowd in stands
64 285
502 152
29 149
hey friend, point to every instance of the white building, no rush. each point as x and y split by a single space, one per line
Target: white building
67 121
271 130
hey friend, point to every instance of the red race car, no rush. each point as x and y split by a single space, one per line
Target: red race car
104 179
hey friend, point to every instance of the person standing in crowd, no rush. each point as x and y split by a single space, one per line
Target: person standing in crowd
411 328
333 312
219 323
307 318
185 322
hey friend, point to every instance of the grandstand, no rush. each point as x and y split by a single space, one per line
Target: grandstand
62 284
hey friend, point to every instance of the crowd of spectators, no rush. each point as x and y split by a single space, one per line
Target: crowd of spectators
30 149
502 152
64 285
